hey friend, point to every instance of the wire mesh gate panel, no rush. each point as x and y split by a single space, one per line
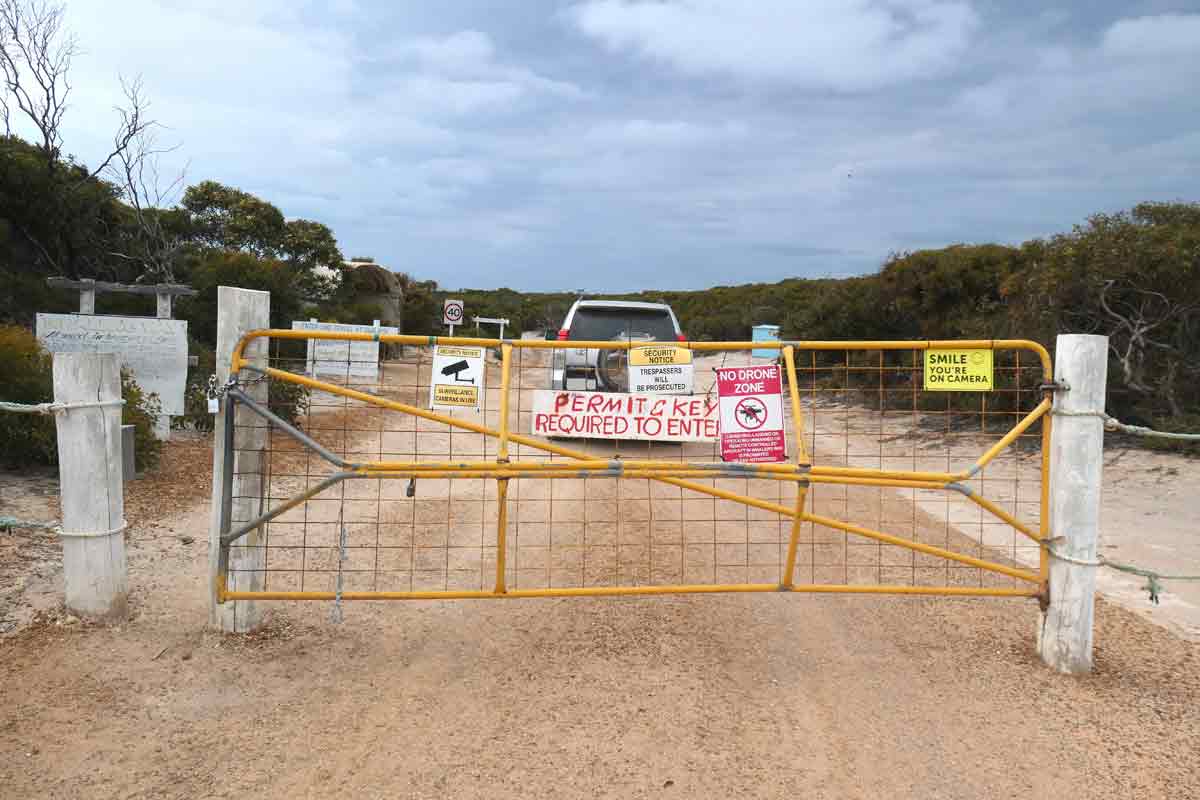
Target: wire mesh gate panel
354 489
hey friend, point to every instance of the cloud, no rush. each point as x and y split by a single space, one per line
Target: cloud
843 45
1157 36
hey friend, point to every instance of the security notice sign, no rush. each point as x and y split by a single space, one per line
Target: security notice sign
457 377
660 369
452 312
958 370
751 401
603 415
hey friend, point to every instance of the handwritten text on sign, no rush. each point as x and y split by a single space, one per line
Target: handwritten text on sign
154 350
601 415
958 370
751 402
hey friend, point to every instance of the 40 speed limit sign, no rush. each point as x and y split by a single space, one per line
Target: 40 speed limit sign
751 400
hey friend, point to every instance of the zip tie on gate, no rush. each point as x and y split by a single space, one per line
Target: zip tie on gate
1153 579
56 408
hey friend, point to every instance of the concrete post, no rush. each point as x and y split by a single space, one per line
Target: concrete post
90 484
239 311
1076 462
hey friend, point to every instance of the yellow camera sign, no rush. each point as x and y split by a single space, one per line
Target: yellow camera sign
958 370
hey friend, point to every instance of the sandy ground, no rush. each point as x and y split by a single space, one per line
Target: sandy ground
711 696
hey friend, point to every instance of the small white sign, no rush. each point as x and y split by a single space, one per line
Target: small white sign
604 415
154 350
452 312
457 377
339 357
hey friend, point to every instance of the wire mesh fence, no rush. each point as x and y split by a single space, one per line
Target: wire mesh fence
862 408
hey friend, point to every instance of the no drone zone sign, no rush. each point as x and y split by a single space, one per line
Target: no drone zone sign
751 400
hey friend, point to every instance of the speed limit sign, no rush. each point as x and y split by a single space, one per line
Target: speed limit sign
452 312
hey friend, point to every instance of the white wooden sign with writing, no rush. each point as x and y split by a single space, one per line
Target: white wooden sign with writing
154 350
339 357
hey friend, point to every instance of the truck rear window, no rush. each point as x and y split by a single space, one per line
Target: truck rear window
604 324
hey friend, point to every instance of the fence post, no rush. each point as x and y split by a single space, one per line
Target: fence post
1076 463
91 484
239 311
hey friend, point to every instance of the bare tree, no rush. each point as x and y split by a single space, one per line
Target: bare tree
36 53
1140 318
135 168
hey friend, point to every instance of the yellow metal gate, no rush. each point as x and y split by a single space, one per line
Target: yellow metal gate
350 487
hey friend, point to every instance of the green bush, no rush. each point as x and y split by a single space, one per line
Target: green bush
141 410
25 377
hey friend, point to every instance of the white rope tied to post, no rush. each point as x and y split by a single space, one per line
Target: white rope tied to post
7 523
55 408
1113 424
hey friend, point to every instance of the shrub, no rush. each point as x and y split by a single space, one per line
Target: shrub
25 377
141 410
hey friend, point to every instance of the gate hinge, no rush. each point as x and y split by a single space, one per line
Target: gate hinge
1054 386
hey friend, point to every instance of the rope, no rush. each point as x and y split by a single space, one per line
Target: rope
55 408
1115 425
93 534
1153 579
8 523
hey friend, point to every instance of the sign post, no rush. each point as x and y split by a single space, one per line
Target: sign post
751 400
501 321
452 313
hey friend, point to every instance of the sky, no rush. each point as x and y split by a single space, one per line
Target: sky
612 145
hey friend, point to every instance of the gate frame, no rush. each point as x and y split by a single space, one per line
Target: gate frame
676 473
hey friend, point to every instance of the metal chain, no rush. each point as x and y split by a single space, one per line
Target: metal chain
215 392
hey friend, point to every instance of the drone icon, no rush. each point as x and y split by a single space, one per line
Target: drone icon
750 413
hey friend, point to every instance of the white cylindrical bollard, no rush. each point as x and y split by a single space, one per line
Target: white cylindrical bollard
1076 464
90 470
239 311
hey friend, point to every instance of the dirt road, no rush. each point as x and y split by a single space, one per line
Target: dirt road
748 696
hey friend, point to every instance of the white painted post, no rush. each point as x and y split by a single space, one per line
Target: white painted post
164 306
239 311
87 299
1076 462
90 473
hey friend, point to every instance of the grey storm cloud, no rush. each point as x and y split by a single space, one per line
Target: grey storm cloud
625 144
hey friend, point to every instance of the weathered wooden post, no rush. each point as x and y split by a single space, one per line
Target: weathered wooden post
239 311
1076 464
91 483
